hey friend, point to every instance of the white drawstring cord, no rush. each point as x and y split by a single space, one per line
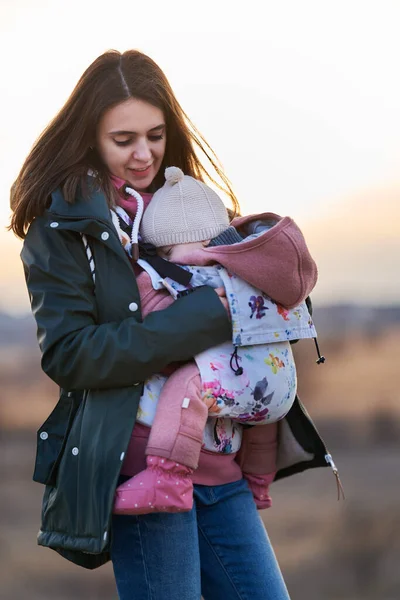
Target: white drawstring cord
90 258
136 221
131 245
115 220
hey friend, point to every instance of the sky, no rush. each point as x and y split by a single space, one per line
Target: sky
299 100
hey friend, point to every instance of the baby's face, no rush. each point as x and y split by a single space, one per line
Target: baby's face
175 253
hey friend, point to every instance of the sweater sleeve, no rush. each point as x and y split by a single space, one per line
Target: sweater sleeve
80 353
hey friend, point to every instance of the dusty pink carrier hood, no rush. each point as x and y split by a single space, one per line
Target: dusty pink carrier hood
277 262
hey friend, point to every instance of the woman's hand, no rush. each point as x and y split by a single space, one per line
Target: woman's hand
221 292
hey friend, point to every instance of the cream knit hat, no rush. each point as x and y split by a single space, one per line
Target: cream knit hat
183 210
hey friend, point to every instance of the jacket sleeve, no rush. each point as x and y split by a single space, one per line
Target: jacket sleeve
78 353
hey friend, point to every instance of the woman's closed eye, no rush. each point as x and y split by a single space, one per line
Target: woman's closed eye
122 142
155 138
151 138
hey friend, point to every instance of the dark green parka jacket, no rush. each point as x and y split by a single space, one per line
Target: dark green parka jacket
98 349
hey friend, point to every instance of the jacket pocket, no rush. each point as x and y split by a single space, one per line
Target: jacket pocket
52 436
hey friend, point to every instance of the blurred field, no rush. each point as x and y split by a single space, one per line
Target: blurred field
328 550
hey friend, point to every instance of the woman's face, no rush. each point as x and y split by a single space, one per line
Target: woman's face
131 142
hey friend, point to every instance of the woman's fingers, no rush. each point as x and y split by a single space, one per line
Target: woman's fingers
221 292
222 296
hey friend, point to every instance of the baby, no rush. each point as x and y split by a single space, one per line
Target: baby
250 381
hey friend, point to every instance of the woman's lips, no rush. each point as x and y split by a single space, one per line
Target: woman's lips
141 172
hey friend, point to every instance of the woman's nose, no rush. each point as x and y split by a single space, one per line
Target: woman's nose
142 151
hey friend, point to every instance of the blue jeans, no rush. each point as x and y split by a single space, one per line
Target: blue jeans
219 549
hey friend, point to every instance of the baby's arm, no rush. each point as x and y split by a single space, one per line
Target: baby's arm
177 429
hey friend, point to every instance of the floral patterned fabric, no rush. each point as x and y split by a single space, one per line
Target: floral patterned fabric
251 380
256 319
262 393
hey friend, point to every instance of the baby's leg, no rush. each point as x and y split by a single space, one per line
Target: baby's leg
172 452
257 459
177 430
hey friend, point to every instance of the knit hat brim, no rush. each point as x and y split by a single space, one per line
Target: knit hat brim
185 237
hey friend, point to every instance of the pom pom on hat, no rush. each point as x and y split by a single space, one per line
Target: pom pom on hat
173 175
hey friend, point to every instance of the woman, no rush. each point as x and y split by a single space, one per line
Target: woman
123 123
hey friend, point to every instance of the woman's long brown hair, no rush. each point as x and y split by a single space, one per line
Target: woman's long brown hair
62 154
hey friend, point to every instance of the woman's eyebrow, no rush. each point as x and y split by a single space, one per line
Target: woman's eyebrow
125 132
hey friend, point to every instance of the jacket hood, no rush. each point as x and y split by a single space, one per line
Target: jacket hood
277 261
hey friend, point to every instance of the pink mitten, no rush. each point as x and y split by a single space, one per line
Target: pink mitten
259 486
165 486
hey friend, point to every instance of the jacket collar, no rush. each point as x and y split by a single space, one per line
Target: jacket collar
93 206
89 215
